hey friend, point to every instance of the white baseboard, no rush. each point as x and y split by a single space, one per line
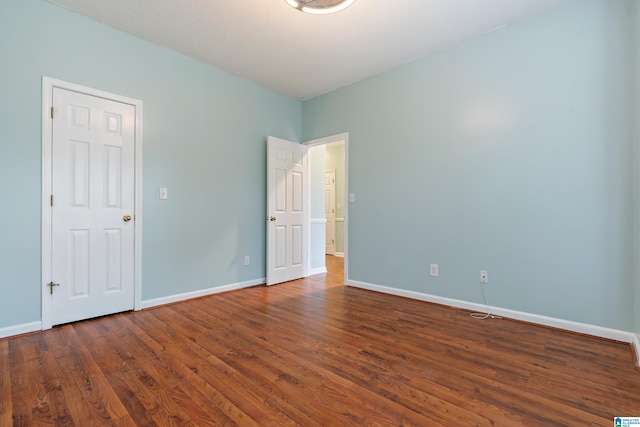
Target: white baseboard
20 329
568 325
636 347
204 292
339 254
318 270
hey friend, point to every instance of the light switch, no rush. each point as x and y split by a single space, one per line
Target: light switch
352 197
164 194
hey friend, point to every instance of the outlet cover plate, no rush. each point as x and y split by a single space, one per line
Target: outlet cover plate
433 270
484 276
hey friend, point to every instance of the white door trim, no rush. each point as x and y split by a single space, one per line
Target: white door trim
47 90
321 141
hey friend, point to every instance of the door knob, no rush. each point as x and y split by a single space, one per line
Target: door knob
126 218
273 218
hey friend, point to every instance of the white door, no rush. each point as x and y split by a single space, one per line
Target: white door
330 207
287 172
92 214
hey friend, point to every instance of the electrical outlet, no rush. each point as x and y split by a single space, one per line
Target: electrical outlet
247 260
484 276
433 270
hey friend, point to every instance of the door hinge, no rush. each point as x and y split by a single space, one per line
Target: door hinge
51 201
52 112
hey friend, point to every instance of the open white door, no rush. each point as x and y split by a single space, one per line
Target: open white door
287 174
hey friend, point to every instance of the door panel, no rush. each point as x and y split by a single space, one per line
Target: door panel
93 144
78 262
113 259
286 210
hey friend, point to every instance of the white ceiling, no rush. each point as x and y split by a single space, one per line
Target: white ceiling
301 55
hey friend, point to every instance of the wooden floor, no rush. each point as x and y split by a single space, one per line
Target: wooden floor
312 353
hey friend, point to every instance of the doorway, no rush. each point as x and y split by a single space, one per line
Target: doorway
91 209
329 212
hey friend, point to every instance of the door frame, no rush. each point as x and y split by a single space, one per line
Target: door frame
47 157
323 141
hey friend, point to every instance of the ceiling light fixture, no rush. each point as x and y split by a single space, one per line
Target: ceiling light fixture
320 7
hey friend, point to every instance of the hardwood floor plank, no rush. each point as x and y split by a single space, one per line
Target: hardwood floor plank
6 407
189 381
287 374
227 383
119 370
22 370
312 352
248 352
369 373
82 380
211 408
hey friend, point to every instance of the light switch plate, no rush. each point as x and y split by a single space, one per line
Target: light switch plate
164 194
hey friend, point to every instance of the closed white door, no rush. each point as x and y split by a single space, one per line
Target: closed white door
92 214
330 207
287 172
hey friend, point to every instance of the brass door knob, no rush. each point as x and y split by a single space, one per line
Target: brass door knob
126 218
273 218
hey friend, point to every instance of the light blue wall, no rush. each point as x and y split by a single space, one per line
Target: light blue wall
204 139
512 153
317 161
335 161
636 119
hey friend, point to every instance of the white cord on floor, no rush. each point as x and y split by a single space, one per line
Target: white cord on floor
487 315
